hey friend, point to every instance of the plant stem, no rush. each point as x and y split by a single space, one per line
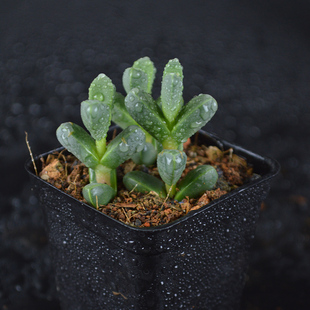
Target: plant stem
148 137
106 175
101 146
171 189
170 144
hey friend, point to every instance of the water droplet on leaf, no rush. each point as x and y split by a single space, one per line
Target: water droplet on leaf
168 160
123 147
195 124
138 106
140 147
99 97
204 112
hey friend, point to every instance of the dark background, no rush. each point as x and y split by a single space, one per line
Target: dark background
252 56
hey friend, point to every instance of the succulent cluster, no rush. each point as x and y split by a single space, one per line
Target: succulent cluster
153 133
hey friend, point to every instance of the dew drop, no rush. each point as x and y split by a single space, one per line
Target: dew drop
178 160
138 107
168 160
195 124
140 147
99 97
136 74
123 147
101 76
94 112
175 82
204 112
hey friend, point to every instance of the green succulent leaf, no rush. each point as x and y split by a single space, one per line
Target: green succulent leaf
173 66
193 117
77 141
196 182
135 78
158 102
171 95
98 194
147 66
147 156
122 118
96 116
120 115
144 183
146 113
171 164
102 89
130 141
92 176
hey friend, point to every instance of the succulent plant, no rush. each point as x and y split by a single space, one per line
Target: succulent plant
171 123
153 132
92 149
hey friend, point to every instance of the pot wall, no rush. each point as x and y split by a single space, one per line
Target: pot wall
197 262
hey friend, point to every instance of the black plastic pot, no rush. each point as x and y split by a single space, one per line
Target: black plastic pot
196 262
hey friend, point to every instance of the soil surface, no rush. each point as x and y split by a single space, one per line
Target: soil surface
67 173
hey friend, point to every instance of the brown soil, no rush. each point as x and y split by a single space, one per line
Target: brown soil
68 174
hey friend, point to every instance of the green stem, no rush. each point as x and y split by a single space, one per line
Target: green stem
171 189
101 146
106 175
170 124
170 144
148 137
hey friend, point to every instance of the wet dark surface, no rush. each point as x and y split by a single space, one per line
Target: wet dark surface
253 57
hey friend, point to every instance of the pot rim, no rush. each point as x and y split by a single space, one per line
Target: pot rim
270 165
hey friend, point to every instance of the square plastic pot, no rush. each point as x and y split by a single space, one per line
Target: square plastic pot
197 262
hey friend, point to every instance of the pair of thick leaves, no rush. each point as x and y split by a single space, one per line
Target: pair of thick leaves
77 141
142 74
140 108
189 120
193 185
166 119
170 165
